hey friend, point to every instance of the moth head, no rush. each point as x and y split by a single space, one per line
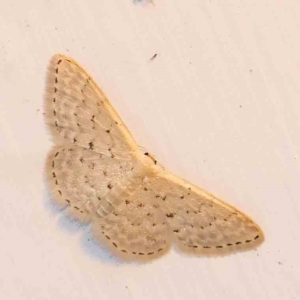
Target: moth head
146 158
151 157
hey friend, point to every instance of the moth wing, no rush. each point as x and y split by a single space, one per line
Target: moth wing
78 112
81 179
137 229
167 209
199 221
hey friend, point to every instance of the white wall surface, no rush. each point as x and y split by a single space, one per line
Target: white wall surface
219 105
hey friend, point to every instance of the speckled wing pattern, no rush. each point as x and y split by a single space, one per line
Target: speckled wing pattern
136 208
93 148
199 222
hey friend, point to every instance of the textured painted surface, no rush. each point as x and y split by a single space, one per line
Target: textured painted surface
219 105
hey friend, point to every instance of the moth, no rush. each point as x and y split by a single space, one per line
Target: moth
136 208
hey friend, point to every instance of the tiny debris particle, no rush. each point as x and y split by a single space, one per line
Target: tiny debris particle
153 57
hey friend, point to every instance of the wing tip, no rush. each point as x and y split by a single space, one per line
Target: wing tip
224 248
